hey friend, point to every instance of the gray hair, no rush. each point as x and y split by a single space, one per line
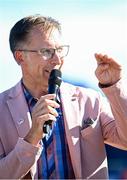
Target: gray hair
20 31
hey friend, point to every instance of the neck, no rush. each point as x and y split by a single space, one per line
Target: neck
35 89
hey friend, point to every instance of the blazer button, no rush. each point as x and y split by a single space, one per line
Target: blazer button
20 121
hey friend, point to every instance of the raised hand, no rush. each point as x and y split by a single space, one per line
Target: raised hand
108 70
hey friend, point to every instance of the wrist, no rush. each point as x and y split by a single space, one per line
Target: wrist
107 85
31 139
104 85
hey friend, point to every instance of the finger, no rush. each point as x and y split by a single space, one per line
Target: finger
52 111
42 119
46 110
114 63
50 117
102 58
47 96
101 68
42 102
99 58
46 107
51 103
46 104
105 59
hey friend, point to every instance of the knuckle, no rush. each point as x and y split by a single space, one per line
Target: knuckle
45 101
47 108
48 116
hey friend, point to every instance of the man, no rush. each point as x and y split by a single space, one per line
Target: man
82 119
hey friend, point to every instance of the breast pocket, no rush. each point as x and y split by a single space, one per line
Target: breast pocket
89 127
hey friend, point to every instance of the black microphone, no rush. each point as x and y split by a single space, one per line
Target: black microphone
54 83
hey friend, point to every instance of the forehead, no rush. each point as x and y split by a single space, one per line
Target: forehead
50 36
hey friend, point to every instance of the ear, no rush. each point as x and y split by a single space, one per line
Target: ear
18 55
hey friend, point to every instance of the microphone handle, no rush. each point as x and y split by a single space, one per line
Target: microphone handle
47 126
53 89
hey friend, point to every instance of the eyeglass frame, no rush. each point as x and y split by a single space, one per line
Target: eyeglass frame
42 49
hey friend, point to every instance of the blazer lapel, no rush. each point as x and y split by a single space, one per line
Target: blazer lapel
72 126
19 110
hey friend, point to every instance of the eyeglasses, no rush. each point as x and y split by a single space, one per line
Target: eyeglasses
48 53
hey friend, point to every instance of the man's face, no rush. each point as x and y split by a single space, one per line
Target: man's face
34 66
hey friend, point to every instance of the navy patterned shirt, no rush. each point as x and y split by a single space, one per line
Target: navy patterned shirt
55 162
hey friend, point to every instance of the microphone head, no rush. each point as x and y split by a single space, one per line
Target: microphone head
55 77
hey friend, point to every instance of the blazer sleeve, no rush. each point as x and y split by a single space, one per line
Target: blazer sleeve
115 130
19 161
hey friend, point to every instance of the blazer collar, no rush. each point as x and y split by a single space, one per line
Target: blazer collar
72 125
19 110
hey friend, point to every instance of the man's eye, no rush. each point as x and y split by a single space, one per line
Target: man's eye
46 52
60 49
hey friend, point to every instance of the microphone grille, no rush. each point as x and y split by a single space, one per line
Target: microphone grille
55 77
55 73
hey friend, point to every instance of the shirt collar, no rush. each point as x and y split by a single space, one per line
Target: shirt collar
29 96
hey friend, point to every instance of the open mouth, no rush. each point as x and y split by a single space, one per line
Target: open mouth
47 72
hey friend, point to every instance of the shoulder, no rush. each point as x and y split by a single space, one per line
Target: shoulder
80 91
10 93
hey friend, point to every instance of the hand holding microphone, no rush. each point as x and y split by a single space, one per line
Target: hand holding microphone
44 112
53 87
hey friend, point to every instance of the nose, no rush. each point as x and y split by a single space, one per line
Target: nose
56 60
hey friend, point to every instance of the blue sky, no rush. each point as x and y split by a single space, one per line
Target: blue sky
89 26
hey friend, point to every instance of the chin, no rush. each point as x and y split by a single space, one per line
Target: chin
45 85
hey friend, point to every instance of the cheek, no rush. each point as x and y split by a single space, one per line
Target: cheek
41 69
37 65
33 68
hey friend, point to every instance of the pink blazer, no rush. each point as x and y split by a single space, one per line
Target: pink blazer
89 124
